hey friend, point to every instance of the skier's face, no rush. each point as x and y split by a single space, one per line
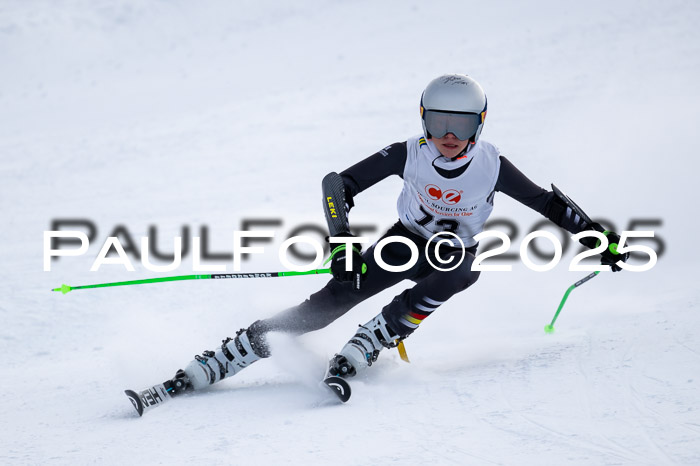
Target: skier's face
449 145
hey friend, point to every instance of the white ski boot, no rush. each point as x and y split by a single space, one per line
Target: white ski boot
363 349
234 355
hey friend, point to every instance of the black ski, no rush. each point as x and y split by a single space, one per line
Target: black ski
157 395
149 398
135 400
340 387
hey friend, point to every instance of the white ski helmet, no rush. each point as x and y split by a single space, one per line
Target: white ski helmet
453 103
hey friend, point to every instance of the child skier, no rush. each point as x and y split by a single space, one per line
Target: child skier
450 178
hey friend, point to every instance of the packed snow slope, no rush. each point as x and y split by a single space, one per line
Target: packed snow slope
172 114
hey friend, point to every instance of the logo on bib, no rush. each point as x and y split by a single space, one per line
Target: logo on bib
449 197
433 192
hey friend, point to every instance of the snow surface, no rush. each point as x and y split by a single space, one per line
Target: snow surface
206 113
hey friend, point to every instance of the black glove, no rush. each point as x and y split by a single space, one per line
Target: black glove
610 256
338 259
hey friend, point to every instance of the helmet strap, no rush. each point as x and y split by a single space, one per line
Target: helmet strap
464 151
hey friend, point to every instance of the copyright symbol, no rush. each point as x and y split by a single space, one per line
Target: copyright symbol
437 245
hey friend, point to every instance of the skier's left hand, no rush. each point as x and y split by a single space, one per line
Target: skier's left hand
610 256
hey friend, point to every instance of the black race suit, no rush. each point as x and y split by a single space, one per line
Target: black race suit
432 287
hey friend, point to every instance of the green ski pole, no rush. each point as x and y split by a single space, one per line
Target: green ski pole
66 288
549 328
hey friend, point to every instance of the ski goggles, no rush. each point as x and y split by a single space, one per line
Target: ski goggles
463 125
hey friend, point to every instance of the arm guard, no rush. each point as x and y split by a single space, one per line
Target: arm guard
573 212
339 190
554 205
335 206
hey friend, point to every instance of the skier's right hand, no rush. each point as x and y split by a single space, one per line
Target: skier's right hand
338 259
